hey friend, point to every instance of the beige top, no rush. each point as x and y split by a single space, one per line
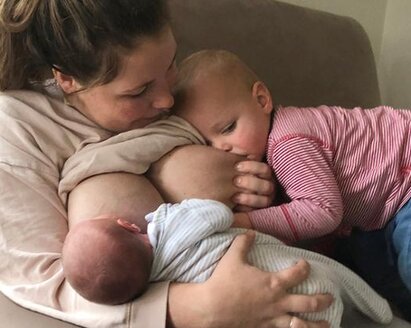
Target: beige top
43 141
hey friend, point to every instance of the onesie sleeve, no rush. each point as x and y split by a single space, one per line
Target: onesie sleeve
187 223
303 168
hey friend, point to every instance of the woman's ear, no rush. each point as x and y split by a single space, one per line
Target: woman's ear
263 96
66 82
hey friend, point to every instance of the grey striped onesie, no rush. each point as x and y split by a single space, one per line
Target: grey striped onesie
190 238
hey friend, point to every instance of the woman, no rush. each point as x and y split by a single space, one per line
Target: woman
114 62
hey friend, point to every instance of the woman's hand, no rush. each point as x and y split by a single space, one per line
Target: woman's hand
256 181
238 295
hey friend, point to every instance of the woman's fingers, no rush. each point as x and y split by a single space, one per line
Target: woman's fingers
306 303
287 321
293 275
284 321
241 295
238 251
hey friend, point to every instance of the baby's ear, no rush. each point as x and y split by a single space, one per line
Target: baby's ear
263 96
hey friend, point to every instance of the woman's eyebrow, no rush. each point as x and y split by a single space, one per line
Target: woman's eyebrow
147 84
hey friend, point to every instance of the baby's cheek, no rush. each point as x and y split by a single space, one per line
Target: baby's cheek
249 144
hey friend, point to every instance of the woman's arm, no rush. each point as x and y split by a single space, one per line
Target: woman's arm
238 295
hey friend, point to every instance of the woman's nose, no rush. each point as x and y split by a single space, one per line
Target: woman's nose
164 99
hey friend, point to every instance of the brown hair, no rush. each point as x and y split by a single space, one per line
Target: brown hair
82 39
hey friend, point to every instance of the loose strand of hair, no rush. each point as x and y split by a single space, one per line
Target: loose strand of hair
15 18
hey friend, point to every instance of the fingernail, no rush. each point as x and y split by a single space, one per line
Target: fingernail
238 181
239 166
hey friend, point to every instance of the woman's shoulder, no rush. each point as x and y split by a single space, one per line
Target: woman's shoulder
14 102
39 109
18 95
45 120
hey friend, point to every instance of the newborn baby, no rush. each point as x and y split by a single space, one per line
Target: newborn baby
109 260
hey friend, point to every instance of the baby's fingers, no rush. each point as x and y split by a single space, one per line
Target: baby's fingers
259 169
249 201
255 184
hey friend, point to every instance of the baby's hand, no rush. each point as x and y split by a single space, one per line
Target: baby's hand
241 220
257 182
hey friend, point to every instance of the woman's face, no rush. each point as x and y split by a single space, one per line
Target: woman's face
140 94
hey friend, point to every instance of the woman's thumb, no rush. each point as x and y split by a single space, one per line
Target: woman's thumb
241 246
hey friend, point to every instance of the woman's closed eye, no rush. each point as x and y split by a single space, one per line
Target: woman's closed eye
229 128
139 93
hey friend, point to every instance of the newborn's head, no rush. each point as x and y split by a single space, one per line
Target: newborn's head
107 260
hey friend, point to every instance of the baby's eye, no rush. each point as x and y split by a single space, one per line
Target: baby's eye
229 128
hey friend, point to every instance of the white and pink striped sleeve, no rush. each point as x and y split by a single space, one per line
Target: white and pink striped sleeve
302 166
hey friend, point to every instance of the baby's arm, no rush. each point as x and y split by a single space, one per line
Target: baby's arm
123 195
306 173
196 218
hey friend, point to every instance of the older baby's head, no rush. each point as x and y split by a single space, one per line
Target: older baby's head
224 99
107 260
206 68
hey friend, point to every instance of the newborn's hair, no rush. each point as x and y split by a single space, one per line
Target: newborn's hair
104 263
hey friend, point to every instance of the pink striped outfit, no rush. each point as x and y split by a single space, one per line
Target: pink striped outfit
341 168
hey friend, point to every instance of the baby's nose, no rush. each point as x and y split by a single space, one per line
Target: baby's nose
222 146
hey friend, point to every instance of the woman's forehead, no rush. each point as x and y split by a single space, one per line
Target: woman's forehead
150 59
